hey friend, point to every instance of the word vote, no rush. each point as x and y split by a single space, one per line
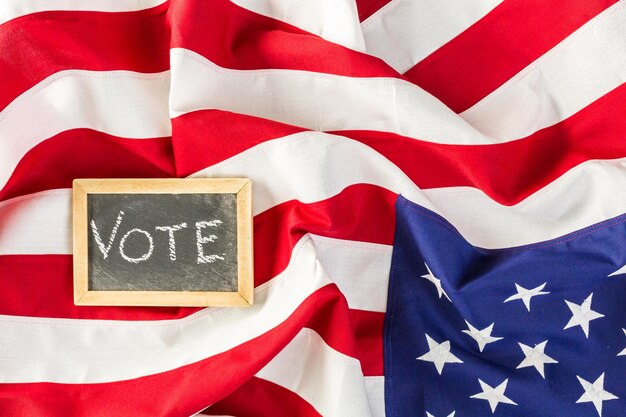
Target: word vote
203 236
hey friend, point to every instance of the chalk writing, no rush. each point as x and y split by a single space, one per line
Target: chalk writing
105 249
172 242
143 257
200 240
149 248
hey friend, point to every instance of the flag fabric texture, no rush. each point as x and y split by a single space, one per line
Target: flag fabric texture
439 204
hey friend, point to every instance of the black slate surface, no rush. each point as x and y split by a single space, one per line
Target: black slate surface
161 270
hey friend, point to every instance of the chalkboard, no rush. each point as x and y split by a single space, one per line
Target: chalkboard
162 242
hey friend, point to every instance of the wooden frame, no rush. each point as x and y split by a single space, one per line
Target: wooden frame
242 187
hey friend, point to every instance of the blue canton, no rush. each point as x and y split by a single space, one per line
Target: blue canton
532 331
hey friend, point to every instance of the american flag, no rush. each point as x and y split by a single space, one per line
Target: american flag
439 200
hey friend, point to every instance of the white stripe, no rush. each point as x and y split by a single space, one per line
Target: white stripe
404 32
375 387
289 168
328 380
10 9
360 270
333 20
39 223
585 66
120 103
315 100
92 351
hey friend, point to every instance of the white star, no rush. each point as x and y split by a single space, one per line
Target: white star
535 357
494 396
595 393
525 295
582 315
430 415
436 281
482 337
439 354
623 352
620 271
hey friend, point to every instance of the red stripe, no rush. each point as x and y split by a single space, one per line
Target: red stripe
85 153
205 137
367 8
510 172
179 392
38 45
361 212
236 38
497 47
368 331
46 280
261 398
